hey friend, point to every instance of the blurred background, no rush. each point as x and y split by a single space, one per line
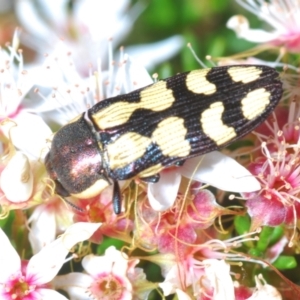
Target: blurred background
200 22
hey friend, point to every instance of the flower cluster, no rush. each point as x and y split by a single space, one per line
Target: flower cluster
218 227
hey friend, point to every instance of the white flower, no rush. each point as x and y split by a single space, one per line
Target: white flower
86 27
209 277
107 277
47 221
217 272
215 169
66 94
27 132
18 280
264 291
282 16
16 180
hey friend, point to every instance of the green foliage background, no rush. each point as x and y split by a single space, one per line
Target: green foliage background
200 22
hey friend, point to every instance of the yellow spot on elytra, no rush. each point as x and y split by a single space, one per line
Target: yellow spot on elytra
156 97
244 74
255 103
170 136
197 82
126 149
213 126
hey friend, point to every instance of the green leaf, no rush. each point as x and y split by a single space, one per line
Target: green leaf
242 224
107 242
276 235
285 262
255 252
264 238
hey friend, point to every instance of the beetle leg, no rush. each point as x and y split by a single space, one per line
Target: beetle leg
116 199
151 179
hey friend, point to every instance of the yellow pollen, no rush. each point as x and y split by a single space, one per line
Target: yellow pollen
108 286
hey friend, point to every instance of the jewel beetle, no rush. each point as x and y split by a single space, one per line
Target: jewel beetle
140 133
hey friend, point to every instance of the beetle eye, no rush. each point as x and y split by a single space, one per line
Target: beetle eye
60 190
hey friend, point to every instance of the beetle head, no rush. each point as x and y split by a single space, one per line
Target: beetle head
74 162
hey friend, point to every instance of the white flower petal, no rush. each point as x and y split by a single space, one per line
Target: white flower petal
218 273
220 171
75 284
72 281
264 290
58 68
162 194
139 76
113 261
47 294
94 14
9 259
16 180
32 22
54 11
79 232
172 280
29 134
240 25
42 229
15 84
167 287
181 295
155 53
44 265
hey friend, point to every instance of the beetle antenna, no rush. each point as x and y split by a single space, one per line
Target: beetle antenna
73 205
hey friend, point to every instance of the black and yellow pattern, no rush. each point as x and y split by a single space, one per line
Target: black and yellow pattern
140 133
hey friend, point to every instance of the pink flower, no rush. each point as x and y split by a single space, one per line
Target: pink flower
278 171
99 209
209 278
30 280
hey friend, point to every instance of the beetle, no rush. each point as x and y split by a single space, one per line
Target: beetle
140 133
